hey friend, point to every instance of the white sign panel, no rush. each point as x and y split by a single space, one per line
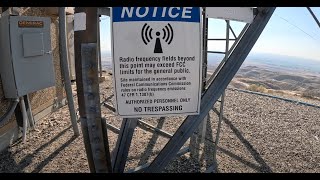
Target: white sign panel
243 14
156 60
80 21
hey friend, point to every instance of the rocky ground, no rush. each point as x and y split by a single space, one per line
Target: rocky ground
259 134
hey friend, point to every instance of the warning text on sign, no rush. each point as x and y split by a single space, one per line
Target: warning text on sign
156 60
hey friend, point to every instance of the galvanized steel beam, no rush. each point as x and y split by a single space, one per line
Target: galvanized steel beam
214 91
96 127
123 144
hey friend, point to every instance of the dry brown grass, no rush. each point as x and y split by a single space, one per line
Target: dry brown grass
310 94
257 88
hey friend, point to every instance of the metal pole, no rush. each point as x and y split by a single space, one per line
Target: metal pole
123 144
25 120
197 140
97 132
314 16
154 129
65 69
217 52
234 35
203 127
29 111
106 143
214 90
224 59
87 146
99 46
113 128
221 39
145 126
86 36
144 166
221 104
205 49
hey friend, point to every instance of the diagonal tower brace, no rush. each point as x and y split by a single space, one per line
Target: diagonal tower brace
214 91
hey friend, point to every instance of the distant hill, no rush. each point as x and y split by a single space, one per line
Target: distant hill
274 73
274 62
105 54
268 61
282 62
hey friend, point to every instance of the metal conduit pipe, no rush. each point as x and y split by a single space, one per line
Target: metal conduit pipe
25 119
29 112
6 116
65 69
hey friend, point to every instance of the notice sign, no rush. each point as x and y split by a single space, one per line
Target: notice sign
156 60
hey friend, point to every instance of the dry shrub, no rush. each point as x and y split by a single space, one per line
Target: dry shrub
311 94
275 92
257 88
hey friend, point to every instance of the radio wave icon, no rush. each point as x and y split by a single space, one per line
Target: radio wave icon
146 35
167 33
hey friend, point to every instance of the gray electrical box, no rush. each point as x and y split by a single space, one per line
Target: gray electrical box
25 55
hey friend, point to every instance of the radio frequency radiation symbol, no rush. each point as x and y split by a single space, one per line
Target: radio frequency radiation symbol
146 35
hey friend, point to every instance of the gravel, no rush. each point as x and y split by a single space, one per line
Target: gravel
259 134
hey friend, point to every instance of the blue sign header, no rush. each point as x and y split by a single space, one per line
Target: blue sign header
183 14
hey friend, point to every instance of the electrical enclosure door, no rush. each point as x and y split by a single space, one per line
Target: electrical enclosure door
29 58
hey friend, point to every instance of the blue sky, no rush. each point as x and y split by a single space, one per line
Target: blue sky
291 31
